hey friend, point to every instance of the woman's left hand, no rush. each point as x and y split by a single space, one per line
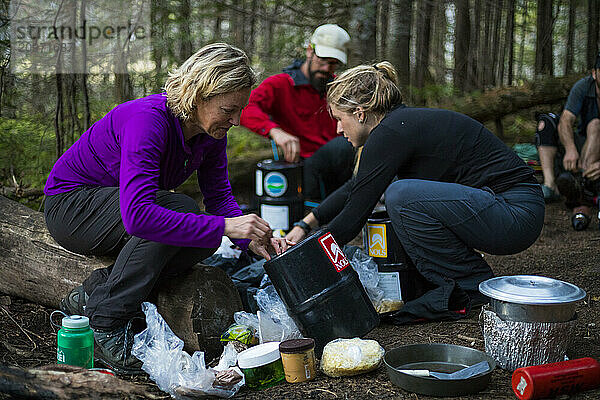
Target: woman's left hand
273 246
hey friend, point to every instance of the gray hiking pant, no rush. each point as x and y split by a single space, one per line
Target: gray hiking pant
88 221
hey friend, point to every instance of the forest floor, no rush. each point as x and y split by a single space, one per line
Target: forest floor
28 340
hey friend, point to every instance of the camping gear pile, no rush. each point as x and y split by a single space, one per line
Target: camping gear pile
321 310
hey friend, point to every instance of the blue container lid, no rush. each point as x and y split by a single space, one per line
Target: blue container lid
75 321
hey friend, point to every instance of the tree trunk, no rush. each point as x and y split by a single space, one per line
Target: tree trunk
569 56
58 115
84 88
400 49
158 16
474 50
365 21
461 44
251 43
593 30
236 30
185 34
497 43
424 11
439 25
383 16
484 60
510 39
522 42
198 306
543 43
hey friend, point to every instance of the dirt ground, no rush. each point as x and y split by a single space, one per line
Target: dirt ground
28 340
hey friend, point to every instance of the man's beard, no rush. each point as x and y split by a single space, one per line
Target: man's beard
320 84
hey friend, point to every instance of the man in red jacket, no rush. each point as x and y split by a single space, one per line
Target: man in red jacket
290 108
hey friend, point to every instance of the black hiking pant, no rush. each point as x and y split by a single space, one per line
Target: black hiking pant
328 169
87 221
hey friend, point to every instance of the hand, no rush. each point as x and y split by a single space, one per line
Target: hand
592 172
570 160
249 226
296 234
290 144
272 246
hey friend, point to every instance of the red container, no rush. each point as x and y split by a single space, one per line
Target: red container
550 380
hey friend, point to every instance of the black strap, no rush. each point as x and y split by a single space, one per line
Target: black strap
305 227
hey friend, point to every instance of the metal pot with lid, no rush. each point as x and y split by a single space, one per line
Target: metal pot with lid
531 298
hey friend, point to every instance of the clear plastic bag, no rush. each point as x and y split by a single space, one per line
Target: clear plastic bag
246 318
368 274
347 357
275 324
174 370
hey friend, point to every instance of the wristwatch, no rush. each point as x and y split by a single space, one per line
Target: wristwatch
305 227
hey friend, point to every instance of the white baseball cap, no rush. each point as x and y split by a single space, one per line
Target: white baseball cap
330 41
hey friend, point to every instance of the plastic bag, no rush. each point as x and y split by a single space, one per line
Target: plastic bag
174 370
274 322
227 249
242 333
368 274
347 357
247 319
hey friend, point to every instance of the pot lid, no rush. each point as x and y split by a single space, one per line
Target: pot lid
531 289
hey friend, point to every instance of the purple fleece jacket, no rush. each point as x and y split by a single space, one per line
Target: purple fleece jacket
139 147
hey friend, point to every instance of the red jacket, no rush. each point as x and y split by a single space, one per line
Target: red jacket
289 102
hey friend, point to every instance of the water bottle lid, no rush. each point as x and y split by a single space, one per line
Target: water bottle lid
75 321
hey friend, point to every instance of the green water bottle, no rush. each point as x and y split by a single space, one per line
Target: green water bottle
75 342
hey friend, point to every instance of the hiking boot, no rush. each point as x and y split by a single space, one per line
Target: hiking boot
74 303
113 349
570 186
581 218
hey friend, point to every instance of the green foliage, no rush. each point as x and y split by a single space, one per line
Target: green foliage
519 128
26 152
242 142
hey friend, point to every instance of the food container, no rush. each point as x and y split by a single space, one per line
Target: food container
298 357
531 298
530 319
261 365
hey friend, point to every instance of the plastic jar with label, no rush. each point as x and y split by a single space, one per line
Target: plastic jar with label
298 357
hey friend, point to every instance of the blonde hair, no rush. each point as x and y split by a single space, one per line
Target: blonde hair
215 69
372 87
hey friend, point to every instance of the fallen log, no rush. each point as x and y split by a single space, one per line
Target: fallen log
67 382
198 306
500 102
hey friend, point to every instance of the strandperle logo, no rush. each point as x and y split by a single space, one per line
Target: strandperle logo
74 36
275 184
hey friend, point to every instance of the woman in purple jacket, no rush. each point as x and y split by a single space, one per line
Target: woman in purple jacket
109 193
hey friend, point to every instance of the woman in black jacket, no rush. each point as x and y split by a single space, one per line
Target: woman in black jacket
459 189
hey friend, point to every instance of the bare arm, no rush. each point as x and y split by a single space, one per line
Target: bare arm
565 133
287 142
297 233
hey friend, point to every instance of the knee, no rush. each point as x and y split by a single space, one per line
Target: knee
593 129
177 202
399 193
546 133
187 204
